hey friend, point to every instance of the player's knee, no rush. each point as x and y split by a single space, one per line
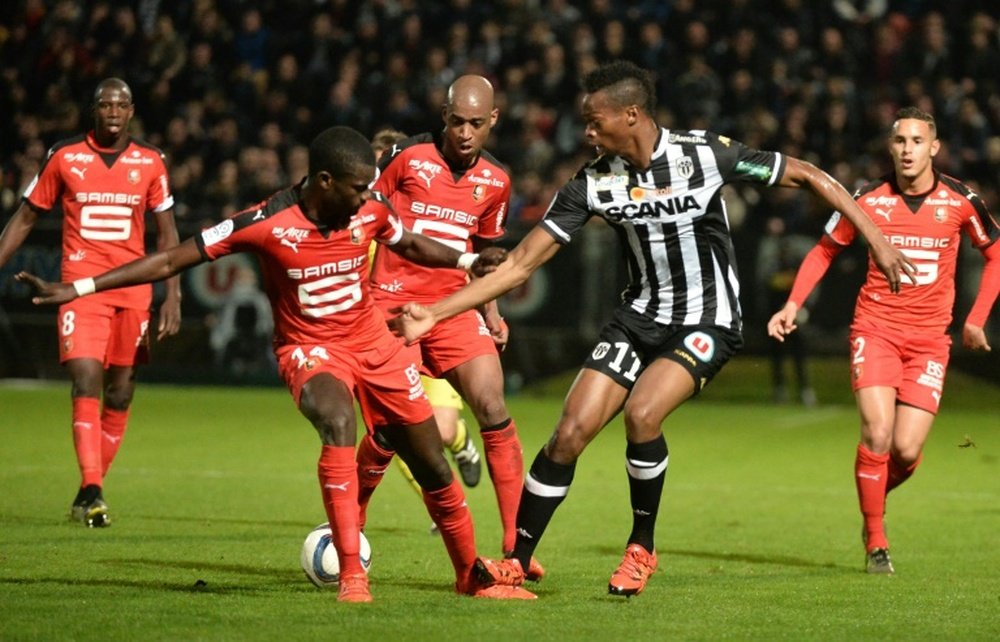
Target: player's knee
431 471
642 422
568 441
905 455
118 397
490 410
334 426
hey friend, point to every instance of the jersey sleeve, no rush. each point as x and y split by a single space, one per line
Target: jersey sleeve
739 163
45 189
839 229
235 234
980 225
159 197
569 210
389 229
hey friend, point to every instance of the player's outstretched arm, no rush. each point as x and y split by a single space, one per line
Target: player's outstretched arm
973 334
534 249
16 230
889 260
154 267
427 251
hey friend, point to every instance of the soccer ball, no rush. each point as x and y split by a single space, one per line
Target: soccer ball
319 556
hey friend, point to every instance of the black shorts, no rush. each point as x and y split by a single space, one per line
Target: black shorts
631 341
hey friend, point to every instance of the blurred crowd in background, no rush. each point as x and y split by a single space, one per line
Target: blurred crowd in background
232 91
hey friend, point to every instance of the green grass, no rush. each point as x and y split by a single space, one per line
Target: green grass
215 489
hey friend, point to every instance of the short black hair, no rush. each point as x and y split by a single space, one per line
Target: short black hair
915 113
339 150
625 82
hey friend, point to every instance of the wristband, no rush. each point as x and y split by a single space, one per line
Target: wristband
85 286
466 260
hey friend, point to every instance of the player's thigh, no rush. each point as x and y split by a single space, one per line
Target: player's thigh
84 328
662 387
320 380
481 382
128 342
420 447
454 342
877 409
592 401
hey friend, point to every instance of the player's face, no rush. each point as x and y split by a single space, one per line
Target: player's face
913 147
344 196
467 126
606 123
113 111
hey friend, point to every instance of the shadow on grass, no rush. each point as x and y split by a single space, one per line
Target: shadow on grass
748 558
197 586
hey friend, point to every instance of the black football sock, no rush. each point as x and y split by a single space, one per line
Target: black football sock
545 488
647 468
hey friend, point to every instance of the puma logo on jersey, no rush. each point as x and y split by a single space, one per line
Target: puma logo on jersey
79 172
883 213
294 245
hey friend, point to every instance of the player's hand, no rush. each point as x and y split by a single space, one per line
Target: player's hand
974 338
498 329
170 318
782 322
894 265
48 293
413 322
489 259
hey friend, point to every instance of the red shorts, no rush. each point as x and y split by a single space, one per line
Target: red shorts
455 341
90 329
913 364
385 378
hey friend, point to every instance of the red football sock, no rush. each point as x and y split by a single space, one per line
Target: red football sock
338 477
899 473
449 511
372 462
870 473
87 439
505 462
113 424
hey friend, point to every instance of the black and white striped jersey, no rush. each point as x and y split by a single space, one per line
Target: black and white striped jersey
672 222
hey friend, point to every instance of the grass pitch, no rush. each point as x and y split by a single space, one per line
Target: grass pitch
758 538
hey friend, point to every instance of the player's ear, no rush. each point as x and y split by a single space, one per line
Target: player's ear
935 147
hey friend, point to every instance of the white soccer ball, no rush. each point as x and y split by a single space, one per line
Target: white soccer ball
319 556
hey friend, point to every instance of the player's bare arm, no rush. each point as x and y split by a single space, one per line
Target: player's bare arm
170 310
534 249
154 267
17 229
782 322
427 251
890 261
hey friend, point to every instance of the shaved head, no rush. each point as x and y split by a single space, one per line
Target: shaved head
474 92
112 83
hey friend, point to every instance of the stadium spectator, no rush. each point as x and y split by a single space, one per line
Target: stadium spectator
447 187
104 182
331 344
899 344
679 321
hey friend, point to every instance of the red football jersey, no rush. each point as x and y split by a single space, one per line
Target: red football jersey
447 205
104 196
314 277
926 229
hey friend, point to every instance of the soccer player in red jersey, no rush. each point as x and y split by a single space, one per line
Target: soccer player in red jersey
332 345
104 182
450 189
899 343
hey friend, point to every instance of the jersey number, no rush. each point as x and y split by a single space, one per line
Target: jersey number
105 222
452 235
320 298
926 263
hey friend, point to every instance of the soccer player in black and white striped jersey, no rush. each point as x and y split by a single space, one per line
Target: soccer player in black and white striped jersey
679 320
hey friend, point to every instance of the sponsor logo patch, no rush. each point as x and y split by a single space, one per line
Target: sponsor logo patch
701 345
219 232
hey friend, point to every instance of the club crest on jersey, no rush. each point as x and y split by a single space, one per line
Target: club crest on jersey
357 235
134 176
478 192
940 215
684 167
67 346
701 345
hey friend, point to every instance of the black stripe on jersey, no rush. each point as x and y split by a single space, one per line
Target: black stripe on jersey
697 179
419 139
678 280
661 172
52 154
990 225
631 263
